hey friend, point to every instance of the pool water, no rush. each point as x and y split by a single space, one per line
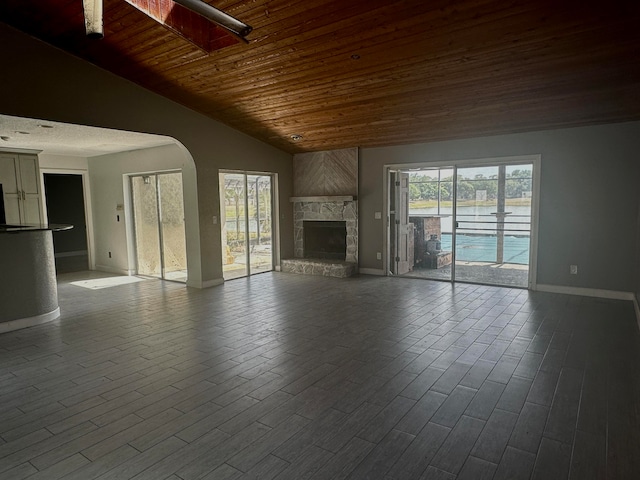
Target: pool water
482 248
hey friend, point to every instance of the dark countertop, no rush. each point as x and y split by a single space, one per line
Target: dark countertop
54 227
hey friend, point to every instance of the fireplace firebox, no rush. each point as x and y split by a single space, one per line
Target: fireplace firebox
325 239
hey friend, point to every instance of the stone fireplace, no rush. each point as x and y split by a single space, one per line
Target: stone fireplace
325 211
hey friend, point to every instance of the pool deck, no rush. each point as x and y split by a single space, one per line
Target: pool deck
505 274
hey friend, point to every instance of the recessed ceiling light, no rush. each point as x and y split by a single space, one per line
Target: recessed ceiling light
296 138
5 138
22 132
45 126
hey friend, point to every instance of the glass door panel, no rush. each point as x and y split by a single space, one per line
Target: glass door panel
259 196
430 208
158 218
233 222
518 197
174 248
493 216
246 213
145 218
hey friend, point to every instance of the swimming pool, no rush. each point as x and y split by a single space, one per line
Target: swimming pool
482 248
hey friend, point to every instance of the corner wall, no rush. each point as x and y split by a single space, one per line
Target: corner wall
588 200
110 188
50 84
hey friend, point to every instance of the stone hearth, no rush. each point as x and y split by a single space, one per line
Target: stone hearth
325 210
323 267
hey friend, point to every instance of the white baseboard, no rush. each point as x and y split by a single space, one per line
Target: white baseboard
371 271
594 292
117 271
75 253
586 292
29 321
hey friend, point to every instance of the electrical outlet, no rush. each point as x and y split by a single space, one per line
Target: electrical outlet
573 269
379 256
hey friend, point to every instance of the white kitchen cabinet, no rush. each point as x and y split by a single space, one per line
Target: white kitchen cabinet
20 179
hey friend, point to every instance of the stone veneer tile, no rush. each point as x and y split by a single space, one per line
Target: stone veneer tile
328 211
325 268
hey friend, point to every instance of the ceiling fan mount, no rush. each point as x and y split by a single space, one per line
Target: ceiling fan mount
94 23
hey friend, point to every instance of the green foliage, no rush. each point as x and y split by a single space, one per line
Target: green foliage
425 188
236 242
233 236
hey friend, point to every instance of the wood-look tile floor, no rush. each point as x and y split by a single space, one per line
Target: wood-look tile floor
295 377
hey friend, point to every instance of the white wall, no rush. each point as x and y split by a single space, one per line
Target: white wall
106 181
110 188
63 162
588 203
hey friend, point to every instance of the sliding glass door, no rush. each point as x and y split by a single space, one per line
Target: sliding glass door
493 224
158 217
463 223
246 204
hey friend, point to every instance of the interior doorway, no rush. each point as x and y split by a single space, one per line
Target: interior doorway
159 228
247 223
64 196
472 222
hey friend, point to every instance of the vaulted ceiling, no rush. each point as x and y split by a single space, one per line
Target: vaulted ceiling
343 73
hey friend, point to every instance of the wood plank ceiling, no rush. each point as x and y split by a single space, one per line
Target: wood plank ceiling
372 73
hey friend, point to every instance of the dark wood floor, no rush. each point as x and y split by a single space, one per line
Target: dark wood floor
297 377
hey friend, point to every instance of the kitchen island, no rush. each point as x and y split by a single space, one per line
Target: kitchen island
28 288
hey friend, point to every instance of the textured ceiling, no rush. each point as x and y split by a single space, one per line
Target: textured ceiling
372 73
75 140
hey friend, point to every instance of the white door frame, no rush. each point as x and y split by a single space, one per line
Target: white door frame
88 211
275 213
131 232
535 160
